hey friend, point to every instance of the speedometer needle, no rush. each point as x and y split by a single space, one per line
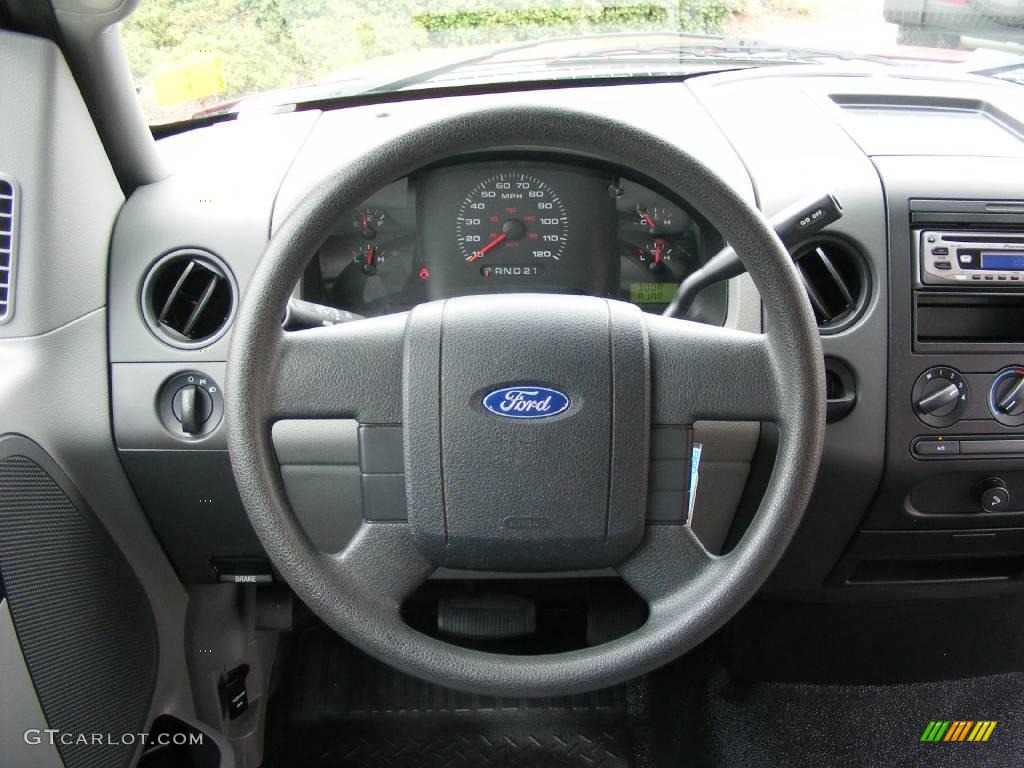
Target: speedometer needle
479 254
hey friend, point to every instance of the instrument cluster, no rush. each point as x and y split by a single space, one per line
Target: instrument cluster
509 226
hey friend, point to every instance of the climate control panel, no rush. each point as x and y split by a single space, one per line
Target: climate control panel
942 397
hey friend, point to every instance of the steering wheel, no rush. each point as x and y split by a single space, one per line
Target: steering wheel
491 493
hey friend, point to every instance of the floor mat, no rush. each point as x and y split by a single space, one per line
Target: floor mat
341 709
784 724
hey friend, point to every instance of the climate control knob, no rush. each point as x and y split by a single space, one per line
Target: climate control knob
940 396
1006 397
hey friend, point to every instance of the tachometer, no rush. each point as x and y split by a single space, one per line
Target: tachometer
512 218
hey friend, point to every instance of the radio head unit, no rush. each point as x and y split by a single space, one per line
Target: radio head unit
984 259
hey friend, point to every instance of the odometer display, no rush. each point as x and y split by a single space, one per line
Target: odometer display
511 217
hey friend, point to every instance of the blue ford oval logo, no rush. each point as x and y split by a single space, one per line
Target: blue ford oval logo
526 402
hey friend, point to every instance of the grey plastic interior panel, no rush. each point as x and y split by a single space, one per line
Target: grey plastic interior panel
55 385
223 625
320 468
93 44
806 151
327 500
69 196
20 711
727 448
316 441
135 388
219 199
192 503
344 134
979 118
55 391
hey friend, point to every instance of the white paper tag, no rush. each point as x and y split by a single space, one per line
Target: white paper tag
694 477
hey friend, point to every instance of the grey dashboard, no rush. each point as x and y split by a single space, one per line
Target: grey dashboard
775 136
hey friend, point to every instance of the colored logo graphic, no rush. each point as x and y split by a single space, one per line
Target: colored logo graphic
526 402
958 730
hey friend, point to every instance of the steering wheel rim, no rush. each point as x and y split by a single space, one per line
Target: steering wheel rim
328 373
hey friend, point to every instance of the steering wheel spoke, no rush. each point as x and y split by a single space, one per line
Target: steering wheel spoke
382 565
352 370
670 558
704 372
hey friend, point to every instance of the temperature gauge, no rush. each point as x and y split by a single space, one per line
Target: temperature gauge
367 222
369 257
655 220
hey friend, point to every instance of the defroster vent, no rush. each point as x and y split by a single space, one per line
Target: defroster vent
8 244
188 298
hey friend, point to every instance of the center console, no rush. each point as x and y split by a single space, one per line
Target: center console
950 508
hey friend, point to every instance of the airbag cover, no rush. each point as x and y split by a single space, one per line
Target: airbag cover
526 423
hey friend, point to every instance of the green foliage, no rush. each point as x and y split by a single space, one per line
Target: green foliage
267 44
611 17
708 16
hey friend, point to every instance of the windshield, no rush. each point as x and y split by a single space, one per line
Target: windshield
203 58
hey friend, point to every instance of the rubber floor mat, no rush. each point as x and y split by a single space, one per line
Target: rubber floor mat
341 709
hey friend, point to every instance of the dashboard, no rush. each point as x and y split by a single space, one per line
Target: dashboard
899 505
514 224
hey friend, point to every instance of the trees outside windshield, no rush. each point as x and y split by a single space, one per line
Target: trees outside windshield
196 57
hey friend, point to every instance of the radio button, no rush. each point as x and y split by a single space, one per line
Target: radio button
940 251
943 265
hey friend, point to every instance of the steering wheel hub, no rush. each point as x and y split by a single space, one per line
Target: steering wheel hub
529 494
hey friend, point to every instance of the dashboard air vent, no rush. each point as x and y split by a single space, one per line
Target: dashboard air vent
836 281
188 298
8 244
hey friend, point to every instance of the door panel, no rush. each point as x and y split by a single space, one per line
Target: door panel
95 612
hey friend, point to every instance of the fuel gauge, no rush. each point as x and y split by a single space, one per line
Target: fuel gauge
367 222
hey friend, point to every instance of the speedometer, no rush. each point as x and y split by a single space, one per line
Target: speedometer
512 220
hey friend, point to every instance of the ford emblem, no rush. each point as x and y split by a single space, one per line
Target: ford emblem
526 402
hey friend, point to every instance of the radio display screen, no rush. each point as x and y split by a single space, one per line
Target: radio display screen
1009 261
